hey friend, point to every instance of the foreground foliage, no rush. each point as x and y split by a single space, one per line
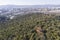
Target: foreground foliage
35 26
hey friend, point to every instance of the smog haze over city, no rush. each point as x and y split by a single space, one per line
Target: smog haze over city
29 2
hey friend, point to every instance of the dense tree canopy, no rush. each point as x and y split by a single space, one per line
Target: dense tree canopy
35 26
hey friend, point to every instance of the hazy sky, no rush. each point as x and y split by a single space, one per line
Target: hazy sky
29 2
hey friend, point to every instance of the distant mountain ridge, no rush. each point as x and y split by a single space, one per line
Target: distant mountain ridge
28 6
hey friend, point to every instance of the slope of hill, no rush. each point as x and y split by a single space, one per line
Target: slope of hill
36 26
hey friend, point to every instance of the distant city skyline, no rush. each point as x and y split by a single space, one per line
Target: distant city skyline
29 2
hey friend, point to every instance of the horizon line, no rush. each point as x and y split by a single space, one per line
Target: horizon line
29 4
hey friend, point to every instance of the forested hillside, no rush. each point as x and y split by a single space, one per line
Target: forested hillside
35 26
